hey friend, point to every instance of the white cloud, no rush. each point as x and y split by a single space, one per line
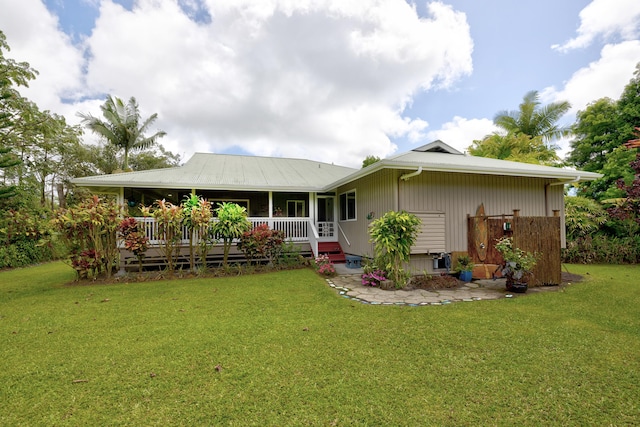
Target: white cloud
322 79
605 77
460 132
605 18
33 36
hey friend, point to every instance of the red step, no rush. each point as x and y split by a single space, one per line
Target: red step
333 250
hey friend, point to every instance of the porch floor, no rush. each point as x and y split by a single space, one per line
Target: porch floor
348 284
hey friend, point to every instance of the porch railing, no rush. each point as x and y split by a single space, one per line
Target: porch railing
295 229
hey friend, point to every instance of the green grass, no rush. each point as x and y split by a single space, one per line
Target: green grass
284 349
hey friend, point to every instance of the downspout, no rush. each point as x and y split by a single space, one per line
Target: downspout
406 177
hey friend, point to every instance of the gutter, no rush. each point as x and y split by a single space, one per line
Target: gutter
577 179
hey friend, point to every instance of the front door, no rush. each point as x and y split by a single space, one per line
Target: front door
325 216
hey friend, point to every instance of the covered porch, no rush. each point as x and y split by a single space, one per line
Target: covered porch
307 219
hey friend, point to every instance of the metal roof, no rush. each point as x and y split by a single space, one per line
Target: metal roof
229 172
440 157
250 173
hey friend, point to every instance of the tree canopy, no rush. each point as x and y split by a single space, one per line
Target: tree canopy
526 133
515 147
369 160
122 126
533 119
600 132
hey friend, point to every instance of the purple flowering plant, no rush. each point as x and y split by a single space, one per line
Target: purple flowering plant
373 276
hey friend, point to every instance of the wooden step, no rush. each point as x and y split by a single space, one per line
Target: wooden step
333 250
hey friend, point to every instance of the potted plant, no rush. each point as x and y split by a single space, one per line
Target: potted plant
517 265
464 266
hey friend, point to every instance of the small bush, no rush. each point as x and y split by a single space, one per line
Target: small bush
262 243
324 266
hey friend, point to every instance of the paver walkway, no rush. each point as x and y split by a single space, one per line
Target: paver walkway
348 284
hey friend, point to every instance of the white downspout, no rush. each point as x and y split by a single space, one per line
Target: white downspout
407 176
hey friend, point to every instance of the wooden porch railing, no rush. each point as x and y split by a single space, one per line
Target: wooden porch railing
295 229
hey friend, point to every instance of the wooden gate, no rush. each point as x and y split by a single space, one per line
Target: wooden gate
533 234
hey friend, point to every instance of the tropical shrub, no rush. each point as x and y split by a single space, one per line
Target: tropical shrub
134 239
290 256
26 238
393 235
197 218
89 232
169 220
262 242
231 223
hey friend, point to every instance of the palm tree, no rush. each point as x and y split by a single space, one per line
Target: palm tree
533 120
122 127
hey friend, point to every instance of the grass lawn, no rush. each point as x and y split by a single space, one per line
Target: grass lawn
285 349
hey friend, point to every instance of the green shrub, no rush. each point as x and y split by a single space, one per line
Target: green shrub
262 243
393 234
603 249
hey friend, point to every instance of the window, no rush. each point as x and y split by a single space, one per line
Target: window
295 208
348 206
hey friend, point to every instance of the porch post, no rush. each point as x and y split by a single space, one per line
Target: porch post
312 207
121 196
270 204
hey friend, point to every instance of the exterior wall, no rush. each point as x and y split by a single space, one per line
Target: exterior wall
455 195
375 193
459 195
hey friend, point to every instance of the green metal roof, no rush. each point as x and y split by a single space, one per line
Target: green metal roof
229 172
250 173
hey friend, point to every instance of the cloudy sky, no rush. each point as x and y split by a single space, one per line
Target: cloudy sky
330 80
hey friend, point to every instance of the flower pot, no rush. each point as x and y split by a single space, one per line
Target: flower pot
517 287
466 276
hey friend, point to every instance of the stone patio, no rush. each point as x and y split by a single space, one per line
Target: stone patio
348 284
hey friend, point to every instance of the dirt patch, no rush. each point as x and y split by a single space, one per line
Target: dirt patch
570 277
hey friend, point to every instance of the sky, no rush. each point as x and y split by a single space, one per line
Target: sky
328 80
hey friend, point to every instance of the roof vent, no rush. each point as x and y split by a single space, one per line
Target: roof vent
436 146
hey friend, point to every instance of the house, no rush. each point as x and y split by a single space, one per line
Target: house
319 204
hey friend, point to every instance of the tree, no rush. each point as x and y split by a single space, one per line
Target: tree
599 133
629 207
369 160
7 160
121 126
155 158
533 120
515 147
12 74
595 135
